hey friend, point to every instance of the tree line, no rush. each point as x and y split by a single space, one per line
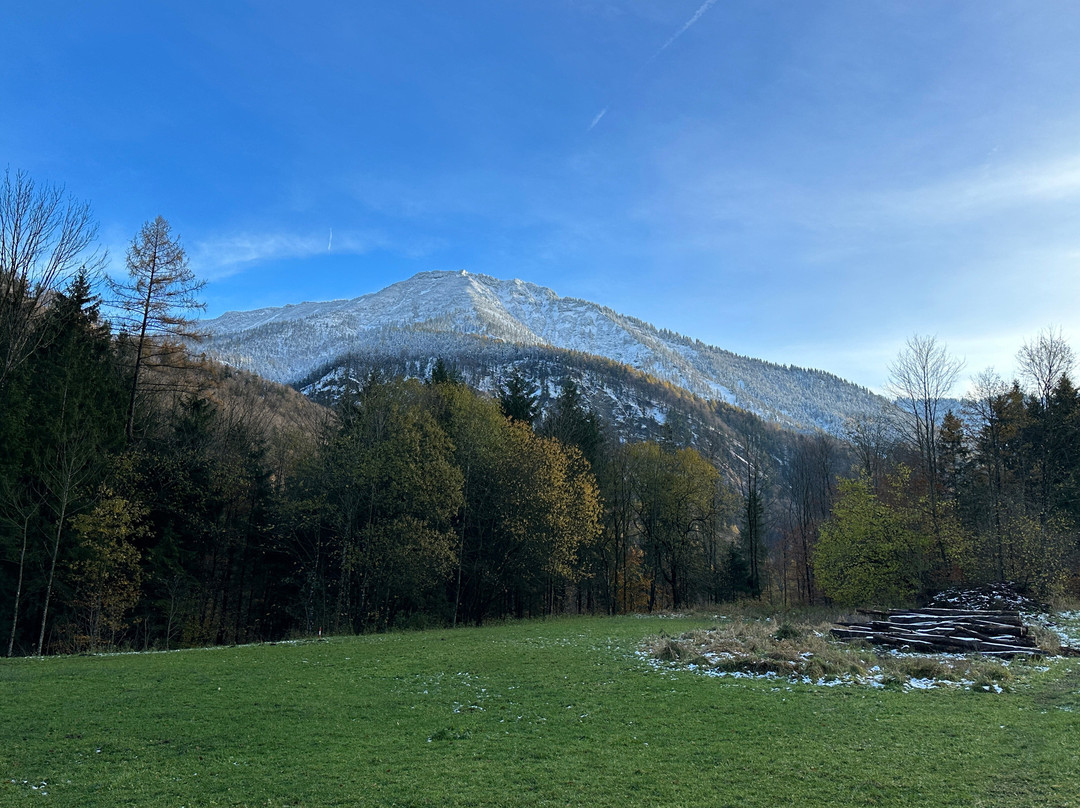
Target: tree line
150 498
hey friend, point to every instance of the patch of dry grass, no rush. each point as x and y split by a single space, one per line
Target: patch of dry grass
1046 639
802 649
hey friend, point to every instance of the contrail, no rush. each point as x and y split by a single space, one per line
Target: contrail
671 40
697 16
330 243
596 120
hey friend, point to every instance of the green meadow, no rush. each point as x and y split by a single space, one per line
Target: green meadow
555 712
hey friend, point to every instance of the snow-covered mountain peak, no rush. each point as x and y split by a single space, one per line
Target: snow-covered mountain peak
289 342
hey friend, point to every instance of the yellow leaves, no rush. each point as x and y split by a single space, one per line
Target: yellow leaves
427 484
675 491
108 575
550 506
1031 554
407 553
867 553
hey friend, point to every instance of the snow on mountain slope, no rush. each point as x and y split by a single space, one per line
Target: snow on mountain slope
286 344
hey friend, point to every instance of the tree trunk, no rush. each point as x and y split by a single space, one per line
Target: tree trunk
62 514
130 425
18 586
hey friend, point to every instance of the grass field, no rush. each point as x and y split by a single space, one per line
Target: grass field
558 712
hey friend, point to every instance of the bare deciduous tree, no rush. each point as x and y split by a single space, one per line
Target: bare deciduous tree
873 434
1044 360
45 237
923 374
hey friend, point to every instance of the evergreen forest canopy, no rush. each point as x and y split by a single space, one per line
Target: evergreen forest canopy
152 499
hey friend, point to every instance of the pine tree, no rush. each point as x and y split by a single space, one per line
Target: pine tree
75 395
571 422
518 401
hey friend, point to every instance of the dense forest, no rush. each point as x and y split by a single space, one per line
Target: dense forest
150 498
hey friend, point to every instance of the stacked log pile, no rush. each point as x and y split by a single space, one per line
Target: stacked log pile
935 631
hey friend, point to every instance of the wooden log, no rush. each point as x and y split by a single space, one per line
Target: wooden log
1004 616
892 639
964 630
1031 652
991 615
947 628
1027 642
993 632
1002 646
1003 628
957 619
939 610
955 643
931 642
851 633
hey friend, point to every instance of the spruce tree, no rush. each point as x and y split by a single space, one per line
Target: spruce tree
441 374
571 422
518 401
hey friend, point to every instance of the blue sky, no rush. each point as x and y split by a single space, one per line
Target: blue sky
807 182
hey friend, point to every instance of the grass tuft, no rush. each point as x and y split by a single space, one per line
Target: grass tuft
450 734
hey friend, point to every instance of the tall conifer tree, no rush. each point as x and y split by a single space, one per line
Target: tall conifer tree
156 302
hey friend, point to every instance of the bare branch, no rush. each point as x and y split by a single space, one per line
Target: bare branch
1045 360
922 375
45 238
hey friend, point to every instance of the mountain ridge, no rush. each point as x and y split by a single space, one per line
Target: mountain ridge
287 343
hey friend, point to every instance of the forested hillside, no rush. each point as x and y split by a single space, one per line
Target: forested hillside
630 405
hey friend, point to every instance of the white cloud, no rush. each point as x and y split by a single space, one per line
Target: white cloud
990 190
